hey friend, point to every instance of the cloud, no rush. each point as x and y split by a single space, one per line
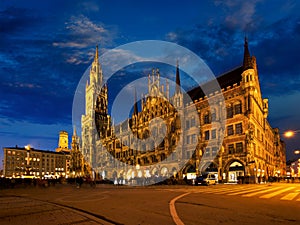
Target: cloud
83 33
240 14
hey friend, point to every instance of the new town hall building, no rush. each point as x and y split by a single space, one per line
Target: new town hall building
247 146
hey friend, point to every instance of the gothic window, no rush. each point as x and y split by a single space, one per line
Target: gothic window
188 137
229 112
193 122
239 147
194 139
213 116
206 135
231 149
187 124
214 151
206 119
230 130
207 152
213 134
238 109
239 128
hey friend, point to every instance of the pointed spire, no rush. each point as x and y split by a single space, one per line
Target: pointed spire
96 54
74 131
177 79
247 63
135 107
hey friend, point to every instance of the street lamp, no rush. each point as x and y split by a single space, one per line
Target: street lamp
297 152
290 133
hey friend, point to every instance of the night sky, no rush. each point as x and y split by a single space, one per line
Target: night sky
46 46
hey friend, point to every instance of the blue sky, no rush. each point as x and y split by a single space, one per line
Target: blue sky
45 47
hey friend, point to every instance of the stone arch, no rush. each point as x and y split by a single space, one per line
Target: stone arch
164 171
189 168
234 169
209 167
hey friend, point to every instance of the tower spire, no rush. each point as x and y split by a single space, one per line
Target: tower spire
247 63
96 54
135 107
177 79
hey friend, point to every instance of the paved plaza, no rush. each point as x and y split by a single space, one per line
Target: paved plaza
161 204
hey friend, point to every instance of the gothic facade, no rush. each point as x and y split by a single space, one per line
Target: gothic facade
189 143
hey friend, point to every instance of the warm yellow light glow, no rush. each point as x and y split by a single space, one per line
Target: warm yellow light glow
27 147
297 152
289 133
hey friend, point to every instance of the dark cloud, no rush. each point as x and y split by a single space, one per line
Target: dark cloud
275 46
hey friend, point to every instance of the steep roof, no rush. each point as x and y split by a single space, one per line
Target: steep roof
227 79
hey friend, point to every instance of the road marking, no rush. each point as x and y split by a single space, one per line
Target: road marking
276 193
247 191
173 212
260 192
290 196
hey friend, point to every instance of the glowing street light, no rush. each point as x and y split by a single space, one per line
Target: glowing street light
290 133
297 152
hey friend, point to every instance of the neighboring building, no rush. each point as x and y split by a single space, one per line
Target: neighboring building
27 161
251 148
293 168
63 142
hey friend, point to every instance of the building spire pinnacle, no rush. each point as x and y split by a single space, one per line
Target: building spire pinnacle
135 107
177 79
247 63
96 54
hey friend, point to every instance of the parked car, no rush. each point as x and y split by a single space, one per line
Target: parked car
205 179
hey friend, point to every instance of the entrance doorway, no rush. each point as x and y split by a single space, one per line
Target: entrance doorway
236 170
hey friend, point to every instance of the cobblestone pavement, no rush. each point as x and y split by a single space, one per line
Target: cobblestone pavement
20 210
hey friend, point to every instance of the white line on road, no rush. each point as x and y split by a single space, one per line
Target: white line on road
276 193
173 212
260 192
290 196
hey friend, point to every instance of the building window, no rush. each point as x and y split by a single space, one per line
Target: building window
206 119
230 130
229 112
213 116
239 128
213 134
231 149
239 147
194 138
214 151
193 122
187 124
207 152
238 109
206 135
188 139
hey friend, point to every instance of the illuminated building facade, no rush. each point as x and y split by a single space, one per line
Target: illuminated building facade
250 148
30 162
